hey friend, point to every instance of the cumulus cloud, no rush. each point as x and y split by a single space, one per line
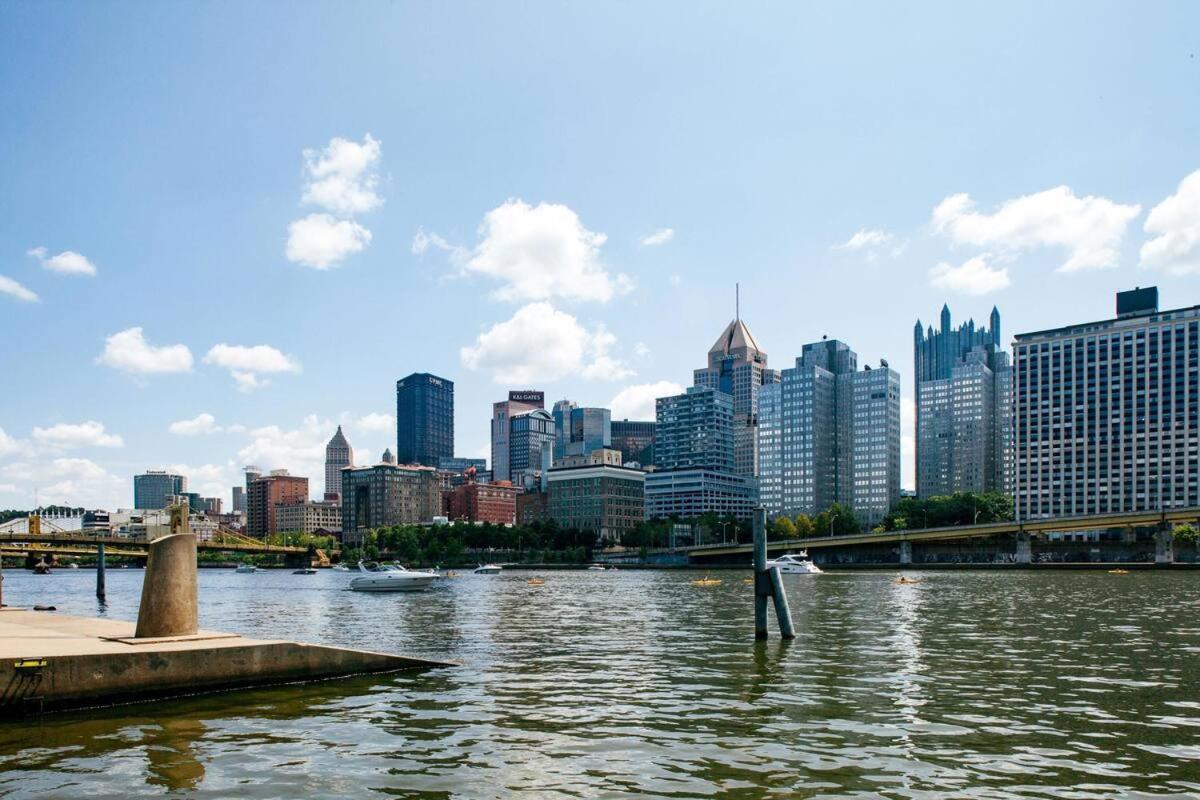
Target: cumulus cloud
375 422
1089 228
321 241
343 176
66 263
1175 225
300 450
423 240
9 445
637 401
210 480
541 343
246 363
67 481
974 276
866 238
129 351
660 236
641 350
201 424
537 252
84 434
10 287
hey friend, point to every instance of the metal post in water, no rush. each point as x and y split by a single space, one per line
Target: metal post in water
762 583
783 614
768 583
100 572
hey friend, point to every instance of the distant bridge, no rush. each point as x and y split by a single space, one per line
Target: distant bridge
905 538
81 541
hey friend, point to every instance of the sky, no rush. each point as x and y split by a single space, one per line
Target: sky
226 228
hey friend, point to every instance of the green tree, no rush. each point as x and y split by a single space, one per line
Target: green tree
805 527
782 527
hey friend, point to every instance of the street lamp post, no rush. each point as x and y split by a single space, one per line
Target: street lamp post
832 517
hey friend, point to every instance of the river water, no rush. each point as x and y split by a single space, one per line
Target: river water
636 683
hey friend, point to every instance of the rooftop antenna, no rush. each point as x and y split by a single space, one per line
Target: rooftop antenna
737 301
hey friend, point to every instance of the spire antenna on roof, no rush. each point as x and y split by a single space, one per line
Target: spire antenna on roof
737 301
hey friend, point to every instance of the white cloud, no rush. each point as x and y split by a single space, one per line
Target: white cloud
203 423
637 402
246 363
866 238
67 262
537 253
67 481
676 280
10 287
300 450
211 480
1175 225
1089 228
129 351
641 350
660 236
974 276
540 343
343 177
85 434
10 446
320 241
422 241
375 422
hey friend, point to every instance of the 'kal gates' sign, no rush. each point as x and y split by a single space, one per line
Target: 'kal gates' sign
527 397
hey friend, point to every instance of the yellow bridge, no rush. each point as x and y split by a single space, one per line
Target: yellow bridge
75 542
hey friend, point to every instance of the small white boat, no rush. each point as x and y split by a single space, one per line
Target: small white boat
72 565
487 569
246 569
596 568
798 564
340 568
304 571
378 577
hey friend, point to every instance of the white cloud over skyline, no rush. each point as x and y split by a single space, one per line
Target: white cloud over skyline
14 289
638 401
200 425
67 262
84 434
1174 225
973 277
247 363
1089 228
129 351
660 236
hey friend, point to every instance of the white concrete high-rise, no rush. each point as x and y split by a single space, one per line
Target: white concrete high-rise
338 455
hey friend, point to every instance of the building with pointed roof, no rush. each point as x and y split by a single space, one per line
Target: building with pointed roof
737 366
964 383
338 455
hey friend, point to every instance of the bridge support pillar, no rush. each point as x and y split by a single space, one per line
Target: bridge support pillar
1164 546
169 604
1024 548
768 584
906 552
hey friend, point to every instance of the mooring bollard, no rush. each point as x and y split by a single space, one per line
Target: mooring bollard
100 572
169 602
768 583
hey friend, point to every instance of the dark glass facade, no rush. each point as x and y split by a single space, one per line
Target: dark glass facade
424 419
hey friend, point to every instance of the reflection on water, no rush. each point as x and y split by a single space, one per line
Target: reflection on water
986 685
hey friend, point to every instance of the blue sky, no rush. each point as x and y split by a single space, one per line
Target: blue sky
479 186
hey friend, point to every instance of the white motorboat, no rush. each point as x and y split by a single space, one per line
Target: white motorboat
597 568
487 569
795 564
304 571
340 568
377 577
246 569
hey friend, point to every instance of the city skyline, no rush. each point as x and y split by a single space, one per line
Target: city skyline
367 196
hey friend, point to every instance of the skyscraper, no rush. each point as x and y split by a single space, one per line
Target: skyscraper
737 366
1106 412
579 431
424 419
338 454
503 413
155 488
964 408
635 440
830 433
694 453
268 491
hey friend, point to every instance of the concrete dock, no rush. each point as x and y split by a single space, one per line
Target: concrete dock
50 661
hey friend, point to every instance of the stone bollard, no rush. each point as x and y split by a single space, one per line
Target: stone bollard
169 604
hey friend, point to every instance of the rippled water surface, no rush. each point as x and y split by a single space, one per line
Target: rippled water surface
970 684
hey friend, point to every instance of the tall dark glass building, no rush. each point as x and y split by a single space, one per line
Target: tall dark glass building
424 419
